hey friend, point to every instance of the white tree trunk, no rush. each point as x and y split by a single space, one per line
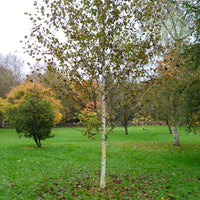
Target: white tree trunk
103 161
176 138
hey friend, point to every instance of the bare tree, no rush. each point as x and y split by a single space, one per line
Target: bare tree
10 72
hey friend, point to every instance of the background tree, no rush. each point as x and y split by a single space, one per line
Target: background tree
10 73
122 102
167 89
184 53
191 76
87 39
163 101
190 88
32 110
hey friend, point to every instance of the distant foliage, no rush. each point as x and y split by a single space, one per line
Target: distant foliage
1 113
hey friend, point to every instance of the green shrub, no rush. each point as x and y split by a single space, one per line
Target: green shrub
34 119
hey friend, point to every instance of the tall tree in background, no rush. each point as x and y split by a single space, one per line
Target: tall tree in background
87 39
182 28
10 73
168 96
191 77
164 97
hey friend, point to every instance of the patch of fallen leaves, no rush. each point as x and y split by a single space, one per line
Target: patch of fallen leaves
117 187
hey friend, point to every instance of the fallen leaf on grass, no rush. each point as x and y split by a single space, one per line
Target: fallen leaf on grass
118 181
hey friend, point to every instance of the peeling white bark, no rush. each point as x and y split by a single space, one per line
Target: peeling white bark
103 166
103 161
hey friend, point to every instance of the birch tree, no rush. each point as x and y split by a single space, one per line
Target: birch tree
87 39
175 36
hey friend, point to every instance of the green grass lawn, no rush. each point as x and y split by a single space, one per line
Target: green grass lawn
142 165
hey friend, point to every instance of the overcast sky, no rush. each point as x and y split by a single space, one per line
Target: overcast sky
14 25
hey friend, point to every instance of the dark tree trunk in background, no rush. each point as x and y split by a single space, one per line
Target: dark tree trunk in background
169 127
125 125
126 130
37 141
